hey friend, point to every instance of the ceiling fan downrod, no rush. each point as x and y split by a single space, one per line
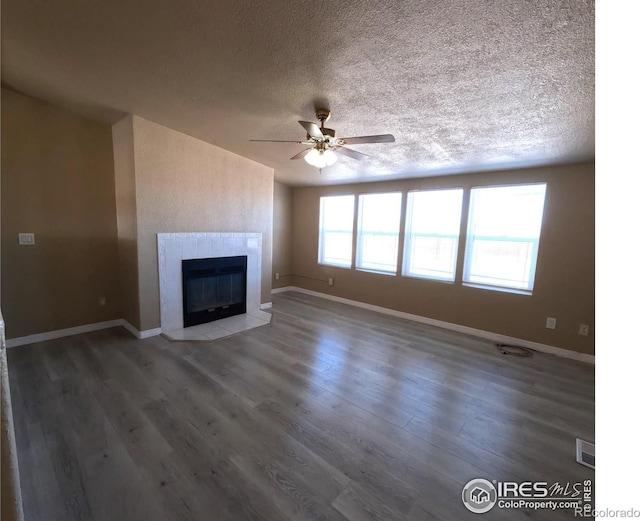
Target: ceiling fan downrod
323 115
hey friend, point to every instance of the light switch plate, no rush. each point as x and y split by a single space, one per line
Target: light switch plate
27 239
551 323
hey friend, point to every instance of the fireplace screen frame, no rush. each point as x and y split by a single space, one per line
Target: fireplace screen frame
212 267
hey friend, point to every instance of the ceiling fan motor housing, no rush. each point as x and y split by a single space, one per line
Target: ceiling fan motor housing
328 132
323 114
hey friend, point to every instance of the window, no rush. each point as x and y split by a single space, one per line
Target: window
378 230
336 230
503 235
431 234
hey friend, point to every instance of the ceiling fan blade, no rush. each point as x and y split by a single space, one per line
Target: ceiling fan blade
351 153
380 138
300 155
282 141
312 129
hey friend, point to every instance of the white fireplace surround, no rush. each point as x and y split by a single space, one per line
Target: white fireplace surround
173 248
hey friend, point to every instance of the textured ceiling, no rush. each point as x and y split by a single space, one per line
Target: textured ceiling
463 85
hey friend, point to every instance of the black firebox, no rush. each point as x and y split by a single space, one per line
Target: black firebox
213 289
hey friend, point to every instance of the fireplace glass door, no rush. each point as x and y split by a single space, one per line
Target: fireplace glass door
213 289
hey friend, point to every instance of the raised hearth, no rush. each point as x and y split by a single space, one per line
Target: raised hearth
173 248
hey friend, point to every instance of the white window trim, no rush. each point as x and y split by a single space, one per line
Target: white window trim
358 257
406 256
321 244
469 248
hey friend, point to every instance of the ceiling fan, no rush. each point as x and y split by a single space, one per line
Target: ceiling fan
324 143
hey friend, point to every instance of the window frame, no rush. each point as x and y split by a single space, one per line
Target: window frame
470 240
359 233
409 236
322 231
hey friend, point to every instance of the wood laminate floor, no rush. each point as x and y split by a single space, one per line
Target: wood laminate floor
329 413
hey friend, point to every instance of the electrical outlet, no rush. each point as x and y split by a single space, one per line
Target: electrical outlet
551 323
277 276
102 301
583 330
330 281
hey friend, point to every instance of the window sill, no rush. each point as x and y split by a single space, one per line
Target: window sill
420 277
498 288
334 265
388 273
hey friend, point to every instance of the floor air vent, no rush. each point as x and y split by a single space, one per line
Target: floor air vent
586 453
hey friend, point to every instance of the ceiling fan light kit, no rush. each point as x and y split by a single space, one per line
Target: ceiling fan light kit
320 158
324 143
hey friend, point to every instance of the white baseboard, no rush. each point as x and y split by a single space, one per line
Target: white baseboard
141 335
148 333
488 335
52 335
78 330
495 337
286 288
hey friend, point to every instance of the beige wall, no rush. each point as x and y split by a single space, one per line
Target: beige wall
282 234
183 184
565 279
125 185
57 181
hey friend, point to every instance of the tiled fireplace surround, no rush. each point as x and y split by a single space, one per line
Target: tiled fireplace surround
173 248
